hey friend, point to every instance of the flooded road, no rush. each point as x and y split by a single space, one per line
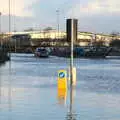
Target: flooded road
28 89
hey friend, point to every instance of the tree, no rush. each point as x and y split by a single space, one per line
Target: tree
114 35
48 29
29 29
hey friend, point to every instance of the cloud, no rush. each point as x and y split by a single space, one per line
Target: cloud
95 7
18 7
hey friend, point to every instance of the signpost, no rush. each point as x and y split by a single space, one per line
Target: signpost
62 74
72 38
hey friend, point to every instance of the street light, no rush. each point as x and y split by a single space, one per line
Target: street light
9 16
58 26
9 86
9 2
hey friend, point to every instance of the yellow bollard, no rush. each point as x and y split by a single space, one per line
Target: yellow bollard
62 86
62 79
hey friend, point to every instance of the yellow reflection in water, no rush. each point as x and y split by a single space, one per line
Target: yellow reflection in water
62 95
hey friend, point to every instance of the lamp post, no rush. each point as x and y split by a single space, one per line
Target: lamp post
9 4
9 16
10 80
58 26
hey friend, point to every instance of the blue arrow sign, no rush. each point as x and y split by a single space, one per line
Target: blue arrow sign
62 75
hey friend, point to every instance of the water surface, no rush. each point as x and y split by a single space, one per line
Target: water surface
29 89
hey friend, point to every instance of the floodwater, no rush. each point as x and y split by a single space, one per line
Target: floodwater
28 89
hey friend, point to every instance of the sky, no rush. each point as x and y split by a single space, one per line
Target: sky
99 16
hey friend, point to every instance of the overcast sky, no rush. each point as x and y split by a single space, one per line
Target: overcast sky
101 16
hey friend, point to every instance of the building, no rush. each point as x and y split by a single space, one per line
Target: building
53 37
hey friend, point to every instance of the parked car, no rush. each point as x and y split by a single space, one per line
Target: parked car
41 52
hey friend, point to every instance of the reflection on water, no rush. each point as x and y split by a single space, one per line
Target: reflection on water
71 115
62 96
28 90
10 92
0 88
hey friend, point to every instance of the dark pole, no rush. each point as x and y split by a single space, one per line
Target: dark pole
0 30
